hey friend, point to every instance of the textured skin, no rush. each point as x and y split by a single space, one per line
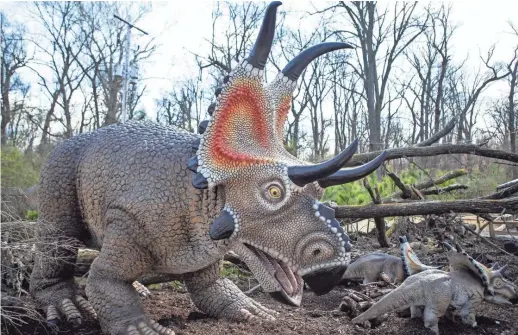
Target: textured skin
429 293
379 266
370 267
127 189
124 188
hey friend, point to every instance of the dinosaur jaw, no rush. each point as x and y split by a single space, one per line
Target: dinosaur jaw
277 275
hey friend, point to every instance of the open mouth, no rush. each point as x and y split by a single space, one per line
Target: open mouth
290 282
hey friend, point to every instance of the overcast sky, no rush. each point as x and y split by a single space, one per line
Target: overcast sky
482 24
180 27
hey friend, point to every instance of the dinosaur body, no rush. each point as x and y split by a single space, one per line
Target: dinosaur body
380 266
156 199
370 268
429 293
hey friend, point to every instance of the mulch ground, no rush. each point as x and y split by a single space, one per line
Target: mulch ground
173 308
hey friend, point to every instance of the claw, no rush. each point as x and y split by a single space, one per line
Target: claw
141 289
85 305
53 322
70 310
132 330
52 315
150 327
161 329
246 314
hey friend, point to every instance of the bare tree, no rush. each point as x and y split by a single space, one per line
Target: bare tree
14 57
373 31
231 40
106 53
512 111
60 44
183 106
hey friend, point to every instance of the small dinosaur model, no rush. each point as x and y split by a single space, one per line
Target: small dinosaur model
429 293
375 266
157 199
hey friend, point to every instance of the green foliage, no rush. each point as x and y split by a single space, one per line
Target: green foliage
18 170
232 271
32 215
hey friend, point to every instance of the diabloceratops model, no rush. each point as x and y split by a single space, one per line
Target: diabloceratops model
128 189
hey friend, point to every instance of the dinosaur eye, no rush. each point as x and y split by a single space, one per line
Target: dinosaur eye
498 283
274 191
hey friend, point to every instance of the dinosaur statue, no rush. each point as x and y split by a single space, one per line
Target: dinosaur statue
128 190
429 293
375 266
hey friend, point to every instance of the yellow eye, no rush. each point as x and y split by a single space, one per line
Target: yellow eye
275 192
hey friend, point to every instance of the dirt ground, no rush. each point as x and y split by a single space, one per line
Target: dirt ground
171 307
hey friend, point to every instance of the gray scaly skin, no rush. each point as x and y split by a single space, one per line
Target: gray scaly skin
156 199
371 267
429 293
375 266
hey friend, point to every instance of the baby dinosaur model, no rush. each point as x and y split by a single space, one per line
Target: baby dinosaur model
128 190
429 293
379 266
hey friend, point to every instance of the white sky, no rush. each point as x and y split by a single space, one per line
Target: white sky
181 26
482 24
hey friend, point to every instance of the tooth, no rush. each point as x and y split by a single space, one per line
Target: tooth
328 221
322 219
317 214
334 230
342 243
315 206
339 234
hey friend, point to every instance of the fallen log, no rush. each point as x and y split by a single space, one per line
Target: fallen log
435 150
408 208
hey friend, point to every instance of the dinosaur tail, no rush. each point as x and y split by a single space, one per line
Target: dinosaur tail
402 297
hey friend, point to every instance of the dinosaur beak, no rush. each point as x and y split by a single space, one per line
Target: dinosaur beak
284 298
322 282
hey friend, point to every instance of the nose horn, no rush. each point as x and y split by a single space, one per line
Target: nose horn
322 282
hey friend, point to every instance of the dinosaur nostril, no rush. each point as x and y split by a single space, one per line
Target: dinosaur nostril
316 252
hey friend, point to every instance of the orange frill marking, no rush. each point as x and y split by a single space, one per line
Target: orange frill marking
242 112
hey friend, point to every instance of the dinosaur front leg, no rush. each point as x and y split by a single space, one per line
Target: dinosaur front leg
467 315
110 290
219 297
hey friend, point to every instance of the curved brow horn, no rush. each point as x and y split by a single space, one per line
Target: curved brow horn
263 44
305 174
349 175
294 68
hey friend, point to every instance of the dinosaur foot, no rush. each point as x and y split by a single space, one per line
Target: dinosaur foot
141 289
148 328
71 310
248 309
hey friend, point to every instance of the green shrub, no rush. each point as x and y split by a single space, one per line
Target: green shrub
32 215
479 183
18 170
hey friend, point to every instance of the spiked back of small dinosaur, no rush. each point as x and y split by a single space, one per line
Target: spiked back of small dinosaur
271 197
411 262
497 286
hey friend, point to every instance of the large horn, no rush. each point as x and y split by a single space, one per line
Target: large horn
295 67
349 175
305 174
263 44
